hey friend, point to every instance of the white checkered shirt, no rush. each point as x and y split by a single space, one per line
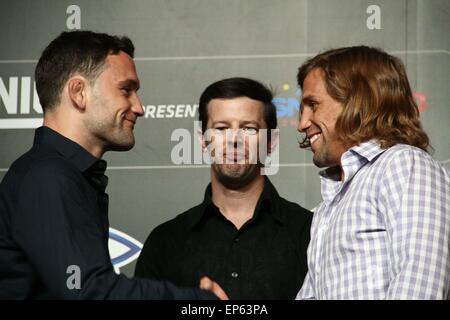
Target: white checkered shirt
384 232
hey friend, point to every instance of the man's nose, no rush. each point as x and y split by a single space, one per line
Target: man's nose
304 120
137 107
235 137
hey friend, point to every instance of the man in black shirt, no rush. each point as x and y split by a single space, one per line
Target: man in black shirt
53 205
243 234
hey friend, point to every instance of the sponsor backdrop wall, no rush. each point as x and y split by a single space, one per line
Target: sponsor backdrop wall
181 47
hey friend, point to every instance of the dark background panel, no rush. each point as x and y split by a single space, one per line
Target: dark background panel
183 46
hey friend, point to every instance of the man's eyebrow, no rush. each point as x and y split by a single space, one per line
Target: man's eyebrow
129 83
250 122
219 122
243 122
308 99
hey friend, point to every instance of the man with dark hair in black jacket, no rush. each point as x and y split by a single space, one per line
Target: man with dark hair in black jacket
53 205
243 234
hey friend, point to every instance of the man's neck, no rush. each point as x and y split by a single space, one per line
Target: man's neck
72 132
237 205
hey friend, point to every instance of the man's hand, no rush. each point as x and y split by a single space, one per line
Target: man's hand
207 284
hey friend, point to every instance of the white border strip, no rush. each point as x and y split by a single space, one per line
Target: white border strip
199 166
250 56
285 165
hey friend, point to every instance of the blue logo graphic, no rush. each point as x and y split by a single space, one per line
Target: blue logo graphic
287 107
123 249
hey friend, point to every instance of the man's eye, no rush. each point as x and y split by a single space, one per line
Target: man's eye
250 130
220 129
126 91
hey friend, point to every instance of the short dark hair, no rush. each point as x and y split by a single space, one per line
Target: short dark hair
82 52
234 88
377 100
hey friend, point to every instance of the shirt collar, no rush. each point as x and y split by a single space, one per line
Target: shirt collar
368 150
72 151
352 161
267 200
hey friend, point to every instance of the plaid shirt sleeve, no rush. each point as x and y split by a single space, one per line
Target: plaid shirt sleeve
307 290
415 198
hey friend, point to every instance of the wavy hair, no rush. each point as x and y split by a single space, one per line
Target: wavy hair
373 88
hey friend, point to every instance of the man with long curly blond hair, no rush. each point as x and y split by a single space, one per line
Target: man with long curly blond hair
383 228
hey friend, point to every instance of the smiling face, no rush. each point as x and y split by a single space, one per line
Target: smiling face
234 124
114 104
319 113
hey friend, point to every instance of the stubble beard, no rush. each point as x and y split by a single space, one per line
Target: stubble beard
111 135
123 139
235 176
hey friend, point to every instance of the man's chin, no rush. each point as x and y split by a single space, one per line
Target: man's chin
231 170
323 163
318 163
122 146
235 176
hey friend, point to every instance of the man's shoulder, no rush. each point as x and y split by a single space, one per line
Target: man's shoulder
169 236
293 210
285 206
409 156
401 148
39 166
179 224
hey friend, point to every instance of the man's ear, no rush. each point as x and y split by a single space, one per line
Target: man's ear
77 89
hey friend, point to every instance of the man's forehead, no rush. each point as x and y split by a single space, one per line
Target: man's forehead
314 76
314 83
122 65
233 110
236 104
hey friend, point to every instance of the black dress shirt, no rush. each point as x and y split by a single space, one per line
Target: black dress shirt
264 259
54 215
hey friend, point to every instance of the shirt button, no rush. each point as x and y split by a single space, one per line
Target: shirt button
235 275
